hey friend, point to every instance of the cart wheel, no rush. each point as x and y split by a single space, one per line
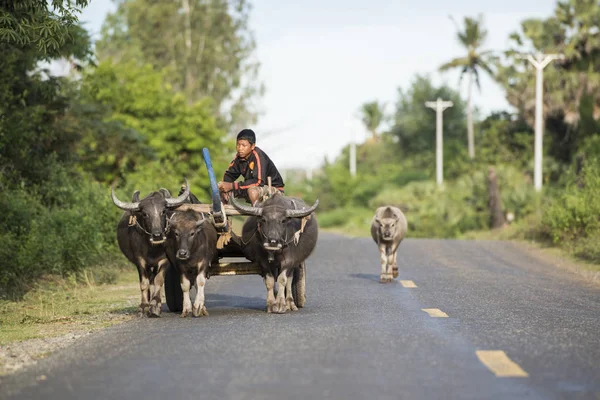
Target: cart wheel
299 286
173 291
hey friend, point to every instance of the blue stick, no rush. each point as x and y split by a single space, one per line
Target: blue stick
216 197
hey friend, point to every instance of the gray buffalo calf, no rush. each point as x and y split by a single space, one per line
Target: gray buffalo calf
388 228
192 246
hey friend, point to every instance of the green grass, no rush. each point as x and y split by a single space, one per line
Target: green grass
59 306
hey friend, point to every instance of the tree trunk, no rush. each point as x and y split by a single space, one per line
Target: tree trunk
495 201
470 118
189 77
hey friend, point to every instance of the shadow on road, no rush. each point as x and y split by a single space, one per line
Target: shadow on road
231 301
370 277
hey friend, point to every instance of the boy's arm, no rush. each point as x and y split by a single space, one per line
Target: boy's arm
232 173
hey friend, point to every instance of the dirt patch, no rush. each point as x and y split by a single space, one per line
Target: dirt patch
18 355
558 258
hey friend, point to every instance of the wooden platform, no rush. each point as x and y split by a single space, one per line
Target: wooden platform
207 208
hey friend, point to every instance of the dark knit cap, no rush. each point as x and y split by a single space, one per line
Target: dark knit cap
247 134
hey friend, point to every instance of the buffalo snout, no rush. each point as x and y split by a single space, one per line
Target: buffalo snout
272 244
183 254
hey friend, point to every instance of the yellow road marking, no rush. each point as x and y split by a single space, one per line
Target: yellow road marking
498 362
435 312
408 284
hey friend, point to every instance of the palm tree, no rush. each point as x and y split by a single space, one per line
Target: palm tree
472 37
372 115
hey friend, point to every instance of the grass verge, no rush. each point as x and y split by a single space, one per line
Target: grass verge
57 311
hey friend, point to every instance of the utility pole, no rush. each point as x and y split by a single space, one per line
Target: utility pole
539 61
353 155
439 106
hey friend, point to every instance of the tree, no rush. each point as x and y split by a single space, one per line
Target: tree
472 38
32 138
138 121
414 124
205 45
571 86
372 114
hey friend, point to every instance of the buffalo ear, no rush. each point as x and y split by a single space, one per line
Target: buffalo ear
200 222
136 197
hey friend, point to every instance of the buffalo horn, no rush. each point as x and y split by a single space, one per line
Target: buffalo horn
302 213
247 210
123 205
176 202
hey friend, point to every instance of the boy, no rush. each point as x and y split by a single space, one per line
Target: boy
255 166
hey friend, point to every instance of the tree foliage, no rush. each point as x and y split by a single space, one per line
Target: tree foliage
205 45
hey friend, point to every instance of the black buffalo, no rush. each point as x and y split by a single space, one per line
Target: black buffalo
274 237
141 234
191 247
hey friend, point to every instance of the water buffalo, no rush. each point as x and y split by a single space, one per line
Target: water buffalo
388 229
191 247
141 234
278 238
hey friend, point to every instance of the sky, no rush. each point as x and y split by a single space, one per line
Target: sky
321 59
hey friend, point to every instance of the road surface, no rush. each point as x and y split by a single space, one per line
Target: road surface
464 320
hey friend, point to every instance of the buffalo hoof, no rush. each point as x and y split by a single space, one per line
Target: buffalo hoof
290 305
154 312
385 279
186 311
143 310
395 271
200 311
270 306
154 309
279 307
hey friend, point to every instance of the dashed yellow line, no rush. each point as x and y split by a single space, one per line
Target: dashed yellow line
498 362
435 312
408 284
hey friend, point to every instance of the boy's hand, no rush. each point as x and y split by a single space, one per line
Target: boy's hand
225 186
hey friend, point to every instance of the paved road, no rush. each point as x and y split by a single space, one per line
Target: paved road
537 327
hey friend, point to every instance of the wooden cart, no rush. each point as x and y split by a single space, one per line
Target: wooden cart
230 258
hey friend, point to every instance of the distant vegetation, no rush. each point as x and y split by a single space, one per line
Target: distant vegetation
164 81
397 166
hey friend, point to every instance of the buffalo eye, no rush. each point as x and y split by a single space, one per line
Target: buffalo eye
193 233
145 214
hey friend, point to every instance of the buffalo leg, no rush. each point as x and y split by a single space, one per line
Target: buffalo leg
156 287
289 297
390 262
394 263
144 288
270 284
187 302
280 304
383 278
199 306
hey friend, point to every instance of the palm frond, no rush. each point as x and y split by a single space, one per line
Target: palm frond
455 63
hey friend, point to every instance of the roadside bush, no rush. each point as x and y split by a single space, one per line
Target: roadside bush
71 233
573 218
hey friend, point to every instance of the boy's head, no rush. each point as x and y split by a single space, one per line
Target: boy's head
246 140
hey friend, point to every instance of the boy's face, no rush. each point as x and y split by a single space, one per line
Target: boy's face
244 148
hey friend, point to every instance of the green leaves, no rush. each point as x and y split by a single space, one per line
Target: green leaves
206 46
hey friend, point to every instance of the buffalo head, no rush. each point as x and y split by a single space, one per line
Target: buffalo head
388 223
273 217
185 226
151 211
